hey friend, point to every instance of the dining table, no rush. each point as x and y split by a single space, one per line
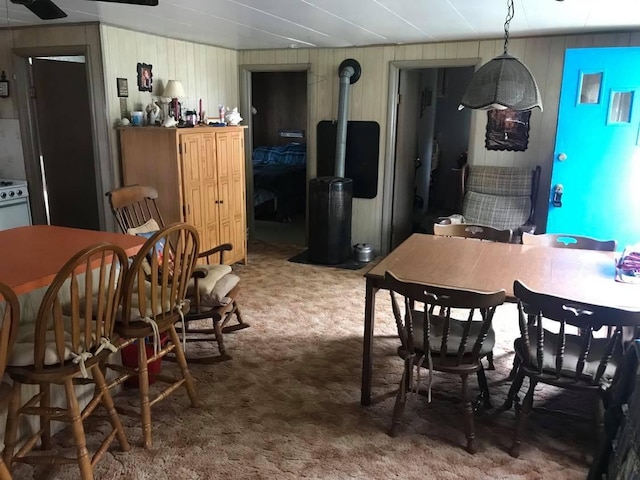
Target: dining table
31 256
575 274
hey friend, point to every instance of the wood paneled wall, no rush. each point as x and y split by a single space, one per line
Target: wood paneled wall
369 100
206 72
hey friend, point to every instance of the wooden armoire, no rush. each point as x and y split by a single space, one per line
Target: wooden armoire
200 177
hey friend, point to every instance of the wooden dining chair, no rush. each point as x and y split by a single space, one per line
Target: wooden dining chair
67 350
136 211
479 232
556 357
440 342
559 240
10 318
555 240
153 301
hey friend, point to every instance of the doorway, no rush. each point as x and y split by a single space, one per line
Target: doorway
64 141
431 143
278 160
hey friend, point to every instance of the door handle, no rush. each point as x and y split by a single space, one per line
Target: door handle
557 195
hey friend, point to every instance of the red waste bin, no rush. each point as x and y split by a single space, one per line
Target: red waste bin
130 359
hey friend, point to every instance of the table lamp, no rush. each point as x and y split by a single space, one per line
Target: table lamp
174 90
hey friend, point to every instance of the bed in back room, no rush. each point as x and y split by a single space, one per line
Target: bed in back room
279 181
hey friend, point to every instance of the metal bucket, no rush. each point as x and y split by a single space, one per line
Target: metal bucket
363 252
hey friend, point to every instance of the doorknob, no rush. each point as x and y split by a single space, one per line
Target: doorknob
557 195
562 157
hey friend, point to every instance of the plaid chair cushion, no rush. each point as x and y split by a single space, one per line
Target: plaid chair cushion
496 211
508 181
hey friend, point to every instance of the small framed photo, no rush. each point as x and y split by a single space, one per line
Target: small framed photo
145 77
123 87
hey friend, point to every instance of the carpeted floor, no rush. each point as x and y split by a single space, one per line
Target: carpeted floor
287 405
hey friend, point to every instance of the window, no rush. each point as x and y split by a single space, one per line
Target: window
590 88
620 108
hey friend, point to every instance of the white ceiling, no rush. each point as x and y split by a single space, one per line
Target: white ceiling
257 24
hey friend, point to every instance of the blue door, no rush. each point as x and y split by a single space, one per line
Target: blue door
595 182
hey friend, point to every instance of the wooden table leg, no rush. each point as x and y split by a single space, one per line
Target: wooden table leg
367 342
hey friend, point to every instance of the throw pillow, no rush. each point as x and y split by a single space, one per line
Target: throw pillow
159 250
218 296
150 226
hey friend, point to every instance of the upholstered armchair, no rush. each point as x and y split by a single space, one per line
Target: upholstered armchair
499 197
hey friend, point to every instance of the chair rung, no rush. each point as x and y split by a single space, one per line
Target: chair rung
29 444
166 392
45 460
33 400
103 447
57 414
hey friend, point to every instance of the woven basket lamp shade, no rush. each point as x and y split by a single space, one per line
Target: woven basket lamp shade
504 82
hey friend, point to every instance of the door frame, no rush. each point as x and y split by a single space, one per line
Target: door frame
392 113
104 170
246 98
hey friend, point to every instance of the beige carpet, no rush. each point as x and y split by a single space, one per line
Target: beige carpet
287 405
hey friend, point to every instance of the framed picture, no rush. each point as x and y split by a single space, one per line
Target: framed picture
145 77
123 87
507 130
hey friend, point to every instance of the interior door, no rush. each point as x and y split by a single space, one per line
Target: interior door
66 142
406 155
596 166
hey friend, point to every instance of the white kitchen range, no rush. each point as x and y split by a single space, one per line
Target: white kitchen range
14 204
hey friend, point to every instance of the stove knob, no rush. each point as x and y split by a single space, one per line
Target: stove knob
19 192
3 195
11 193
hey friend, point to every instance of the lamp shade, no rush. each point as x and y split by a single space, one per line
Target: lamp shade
174 89
504 82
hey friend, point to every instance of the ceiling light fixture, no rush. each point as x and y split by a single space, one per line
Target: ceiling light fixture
504 82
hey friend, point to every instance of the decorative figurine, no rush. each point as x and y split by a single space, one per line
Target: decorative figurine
154 114
233 117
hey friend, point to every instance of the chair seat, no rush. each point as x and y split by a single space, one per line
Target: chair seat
571 355
22 352
137 328
498 211
456 329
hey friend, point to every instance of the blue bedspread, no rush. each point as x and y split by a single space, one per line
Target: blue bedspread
291 154
282 171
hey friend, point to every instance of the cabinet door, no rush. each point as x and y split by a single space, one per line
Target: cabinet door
209 181
191 148
231 192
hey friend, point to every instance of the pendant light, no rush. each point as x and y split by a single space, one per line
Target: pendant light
504 82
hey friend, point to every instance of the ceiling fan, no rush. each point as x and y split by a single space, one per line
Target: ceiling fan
47 10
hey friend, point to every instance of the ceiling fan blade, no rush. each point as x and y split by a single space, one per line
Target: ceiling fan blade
150 3
45 9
